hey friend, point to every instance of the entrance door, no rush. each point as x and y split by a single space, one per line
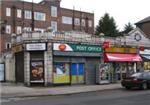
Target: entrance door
77 73
2 72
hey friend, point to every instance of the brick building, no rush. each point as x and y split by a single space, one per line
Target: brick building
144 25
20 16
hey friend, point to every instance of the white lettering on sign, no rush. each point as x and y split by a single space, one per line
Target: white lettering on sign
36 46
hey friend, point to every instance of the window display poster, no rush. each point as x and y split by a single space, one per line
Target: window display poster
2 72
104 73
37 71
61 73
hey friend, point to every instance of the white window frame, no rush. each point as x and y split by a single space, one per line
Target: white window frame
83 22
77 21
27 14
54 26
19 29
39 29
8 29
7 45
67 20
90 23
53 11
39 16
27 29
19 13
8 11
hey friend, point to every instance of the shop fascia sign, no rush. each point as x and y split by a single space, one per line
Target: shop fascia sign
36 46
146 51
77 47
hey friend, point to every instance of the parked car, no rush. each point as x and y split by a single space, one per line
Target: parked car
140 80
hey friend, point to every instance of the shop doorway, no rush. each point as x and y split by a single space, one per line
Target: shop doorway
77 73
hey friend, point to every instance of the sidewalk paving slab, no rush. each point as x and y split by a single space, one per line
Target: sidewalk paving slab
23 91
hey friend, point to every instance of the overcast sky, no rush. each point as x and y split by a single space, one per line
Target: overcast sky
123 11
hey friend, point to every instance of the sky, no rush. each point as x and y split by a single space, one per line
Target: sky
123 11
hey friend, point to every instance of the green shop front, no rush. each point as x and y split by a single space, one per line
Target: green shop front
75 63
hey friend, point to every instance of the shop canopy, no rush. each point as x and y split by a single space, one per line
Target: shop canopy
122 57
146 57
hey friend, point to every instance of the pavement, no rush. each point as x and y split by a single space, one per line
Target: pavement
19 90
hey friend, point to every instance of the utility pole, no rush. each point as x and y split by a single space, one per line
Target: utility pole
32 24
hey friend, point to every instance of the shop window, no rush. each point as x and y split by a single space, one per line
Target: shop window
61 73
146 65
8 12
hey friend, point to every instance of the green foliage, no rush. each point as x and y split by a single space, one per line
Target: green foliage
107 26
127 28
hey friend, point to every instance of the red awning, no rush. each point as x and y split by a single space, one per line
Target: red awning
122 57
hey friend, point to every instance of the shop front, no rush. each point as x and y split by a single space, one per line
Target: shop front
75 63
123 60
145 54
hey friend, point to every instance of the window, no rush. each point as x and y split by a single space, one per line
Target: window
8 12
8 45
27 29
39 30
83 22
19 13
66 20
54 25
27 14
19 29
77 21
8 29
90 23
39 16
53 11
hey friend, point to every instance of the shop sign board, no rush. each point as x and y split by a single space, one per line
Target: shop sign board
121 50
17 48
77 47
36 47
146 51
2 72
37 72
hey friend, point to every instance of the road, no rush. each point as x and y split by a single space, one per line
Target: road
109 97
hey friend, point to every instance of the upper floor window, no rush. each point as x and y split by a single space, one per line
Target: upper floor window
77 21
8 45
8 12
39 16
8 29
27 29
27 14
19 13
53 11
66 20
39 29
90 23
83 22
54 25
19 29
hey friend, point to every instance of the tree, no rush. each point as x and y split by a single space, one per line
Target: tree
107 26
127 28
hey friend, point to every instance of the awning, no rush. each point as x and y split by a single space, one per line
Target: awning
122 57
146 57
